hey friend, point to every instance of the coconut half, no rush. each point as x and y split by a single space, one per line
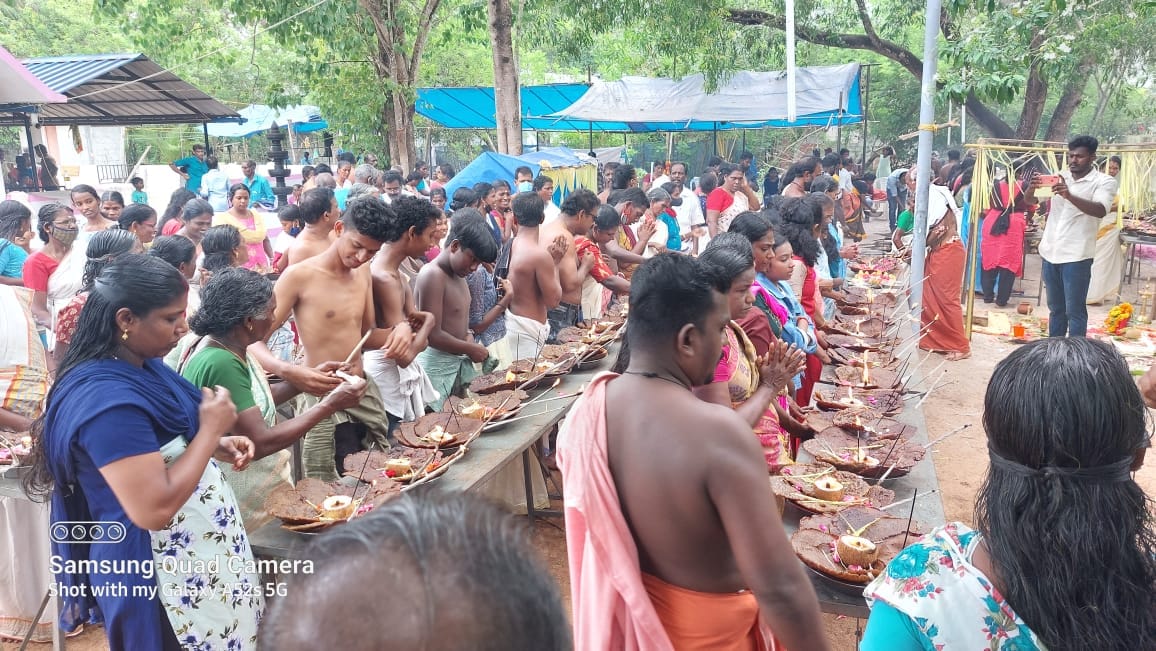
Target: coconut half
856 550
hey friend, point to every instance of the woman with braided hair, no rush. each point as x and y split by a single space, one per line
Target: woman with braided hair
1064 552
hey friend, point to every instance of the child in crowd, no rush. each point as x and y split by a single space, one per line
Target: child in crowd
138 193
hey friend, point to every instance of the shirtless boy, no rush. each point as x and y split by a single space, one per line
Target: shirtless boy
533 279
577 216
319 212
441 290
409 233
330 296
697 513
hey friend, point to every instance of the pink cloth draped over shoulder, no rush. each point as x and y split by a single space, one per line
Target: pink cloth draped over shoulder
611 607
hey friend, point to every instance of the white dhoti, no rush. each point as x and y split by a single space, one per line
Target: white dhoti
593 297
525 336
404 391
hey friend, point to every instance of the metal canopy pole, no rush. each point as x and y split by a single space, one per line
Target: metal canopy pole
865 97
926 142
205 130
31 152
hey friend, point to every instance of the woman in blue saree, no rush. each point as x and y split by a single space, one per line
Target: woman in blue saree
128 443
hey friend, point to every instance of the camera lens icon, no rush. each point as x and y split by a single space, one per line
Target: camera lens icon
90 533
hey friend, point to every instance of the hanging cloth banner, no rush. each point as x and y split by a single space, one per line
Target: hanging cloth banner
792 108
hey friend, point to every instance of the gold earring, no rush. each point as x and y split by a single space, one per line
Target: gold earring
124 335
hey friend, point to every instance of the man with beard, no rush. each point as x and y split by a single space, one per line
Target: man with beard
685 524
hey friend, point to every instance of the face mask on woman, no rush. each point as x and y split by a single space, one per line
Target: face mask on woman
65 236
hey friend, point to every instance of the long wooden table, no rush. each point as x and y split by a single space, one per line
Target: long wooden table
487 455
492 451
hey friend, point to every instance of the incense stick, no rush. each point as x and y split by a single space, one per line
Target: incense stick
933 372
933 387
357 348
910 499
910 516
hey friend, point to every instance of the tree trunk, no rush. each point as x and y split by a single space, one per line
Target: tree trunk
1070 98
507 99
1035 96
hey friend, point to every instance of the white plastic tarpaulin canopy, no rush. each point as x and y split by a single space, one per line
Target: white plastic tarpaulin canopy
258 118
827 95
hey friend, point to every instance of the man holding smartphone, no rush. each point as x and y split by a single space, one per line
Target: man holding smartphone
1082 195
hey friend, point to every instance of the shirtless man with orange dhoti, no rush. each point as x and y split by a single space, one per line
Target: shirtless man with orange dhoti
672 532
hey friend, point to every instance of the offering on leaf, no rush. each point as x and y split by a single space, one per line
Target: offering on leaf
853 546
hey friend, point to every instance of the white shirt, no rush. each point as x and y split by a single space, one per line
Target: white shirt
687 215
1070 235
845 181
552 212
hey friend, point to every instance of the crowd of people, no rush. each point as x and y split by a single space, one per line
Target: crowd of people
156 351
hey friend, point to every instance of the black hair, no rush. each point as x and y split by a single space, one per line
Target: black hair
832 160
578 201
469 229
623 176
799 168
633 195
110 195
231 296
414 177
541 181
826 239
409 212
137 282
463 574
194 208
135 213
685 167
448 170
751 225
667 292
799 217
522 169
1116 159
315 203
211 162
46 216
483 190
1087 142
708 182
714 161
463 198
772 172
727 256
370 217
824 183
1064 421
237 187
86 189
219 246
175 250
746 155
953 154
136 179
177 201
437 192
501 184
307 172
289 213
529 209
726 169
13 214
104 247
607 218
322 168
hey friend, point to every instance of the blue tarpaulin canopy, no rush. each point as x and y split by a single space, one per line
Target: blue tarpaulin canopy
827 96
488 167
258 118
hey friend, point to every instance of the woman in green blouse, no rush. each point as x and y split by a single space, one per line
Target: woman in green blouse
236 311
